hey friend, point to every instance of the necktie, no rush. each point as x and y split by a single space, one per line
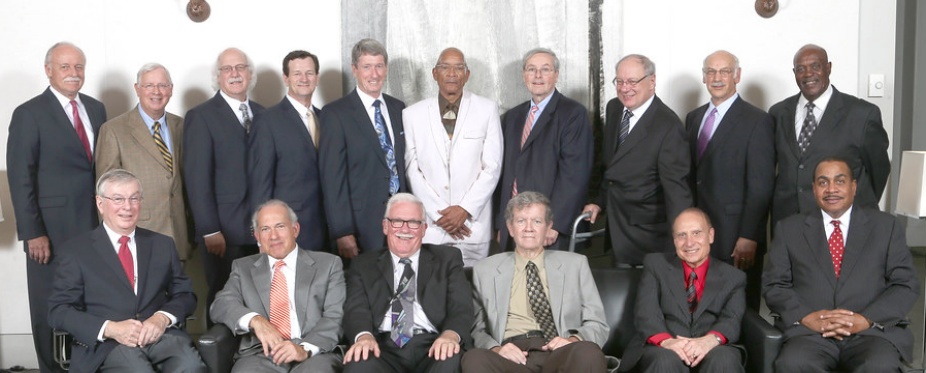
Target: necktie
313 126
691 292
543 314
625 126
162 147
810 124
525 133
403 315
245 117
705 136
125 257
449 119
81 132
380 126
279 300
837 246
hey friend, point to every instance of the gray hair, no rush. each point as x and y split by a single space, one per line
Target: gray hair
149 67
117 176
525 199
403 197
273 202
736 61
62 44
216 73
536 51
369 47
649 68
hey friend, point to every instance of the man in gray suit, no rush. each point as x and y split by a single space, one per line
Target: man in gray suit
287 302
536 310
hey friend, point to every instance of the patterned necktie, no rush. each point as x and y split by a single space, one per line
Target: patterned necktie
380 126
625 127
543 314
279 300
125 257
525 133
705 136
81 132
403 315
313 126
810 124
837 246
162 147
245 117
691 292
449 119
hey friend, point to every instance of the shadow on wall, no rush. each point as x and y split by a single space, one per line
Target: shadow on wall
117 94
8 236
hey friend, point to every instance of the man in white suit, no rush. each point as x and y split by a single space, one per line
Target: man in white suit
536 310
453 159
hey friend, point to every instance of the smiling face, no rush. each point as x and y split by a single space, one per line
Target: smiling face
631 94
540 76
302 79
275 232
234 74
151 96
404 241
812 71
693 236
65 70
370 72
720 75
121 218
834 187
451 74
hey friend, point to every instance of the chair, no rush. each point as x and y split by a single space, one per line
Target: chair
217 348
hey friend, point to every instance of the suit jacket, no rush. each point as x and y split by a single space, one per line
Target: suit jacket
355 178
90 287
556 160
662 303
733 181
214 168
877 277
443 291
574 298
319 293
461 171
126 143
51 179
283 164
645 182
850 128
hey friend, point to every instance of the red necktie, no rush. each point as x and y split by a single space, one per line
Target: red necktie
125 256
279 300
837 246
81 133
524 135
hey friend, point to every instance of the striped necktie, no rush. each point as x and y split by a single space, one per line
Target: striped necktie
162 147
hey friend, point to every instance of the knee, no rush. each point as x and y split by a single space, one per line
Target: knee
723 359
472 360
658 359
879 363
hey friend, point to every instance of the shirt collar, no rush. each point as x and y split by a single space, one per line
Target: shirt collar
64 100
233 102
700 271
396 258
820 103
114 236
520 261
843 220
289 259
149 121
642 109
368 100
724 106
300 107
543 103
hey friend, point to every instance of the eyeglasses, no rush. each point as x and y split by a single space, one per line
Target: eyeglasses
119 201
444 68
630 83
545 71
724 73
398 223
228 68
161 86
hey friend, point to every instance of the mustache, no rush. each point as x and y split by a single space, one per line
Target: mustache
718 84
72 79
236 79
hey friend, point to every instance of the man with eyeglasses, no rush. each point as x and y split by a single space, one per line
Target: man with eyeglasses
215 138
453 159
408 308
646 160
732 169
819 122
121 292
283 152
49 161
147 141
548 149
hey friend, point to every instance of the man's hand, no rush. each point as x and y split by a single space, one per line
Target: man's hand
361 349
453 218
551 237
558 342
846 323
677 345
266 333
511 352
347 246
744 253
215 244
39 249
445 346
287 352
125 332
594 209
697 348
152 329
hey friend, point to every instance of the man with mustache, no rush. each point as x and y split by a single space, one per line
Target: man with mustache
50 164
819 122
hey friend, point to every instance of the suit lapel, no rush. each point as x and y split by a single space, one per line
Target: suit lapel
637 134
856 241
829 123
260 272
503 278
295 119
540 124
815 236
385 268
305 274
787 125
694 131
106 253
677 291
139 131
64 124
365 128
175 125
144 250
713 284
437 132
724 128
228 116
555 279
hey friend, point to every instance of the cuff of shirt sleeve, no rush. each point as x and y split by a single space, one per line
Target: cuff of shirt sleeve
99 336
244 323
361 335
656 339
211 234
172 318
312 349
720 337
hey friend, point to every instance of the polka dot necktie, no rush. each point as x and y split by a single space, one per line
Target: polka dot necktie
837 246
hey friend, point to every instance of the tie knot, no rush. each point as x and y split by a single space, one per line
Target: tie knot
123 240
74 103
377 103
810 106
243 107
278 265
627 113
405 261
157 125
531 266
714 111
835 223
534 109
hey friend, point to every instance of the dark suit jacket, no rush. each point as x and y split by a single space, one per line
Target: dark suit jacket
645 182
214 170
877 278
850 128
283 164
556 160
443 291
90 287
355 178
51 180
662 303
733 181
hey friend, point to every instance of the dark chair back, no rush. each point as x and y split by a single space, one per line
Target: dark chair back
618 290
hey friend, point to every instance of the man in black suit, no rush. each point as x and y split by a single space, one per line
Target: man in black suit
282 152
120 291
50 163
842 272
362 153
733 169
689 307
215 142
548 149
820 122
646 160
408 308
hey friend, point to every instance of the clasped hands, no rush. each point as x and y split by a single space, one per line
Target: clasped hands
691 350
836 324
514 353
278 349
134 333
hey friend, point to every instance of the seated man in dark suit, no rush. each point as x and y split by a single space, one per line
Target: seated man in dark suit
843 273
409 308
689 308
299 328
120 291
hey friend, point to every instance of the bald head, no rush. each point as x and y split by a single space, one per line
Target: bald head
451 73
